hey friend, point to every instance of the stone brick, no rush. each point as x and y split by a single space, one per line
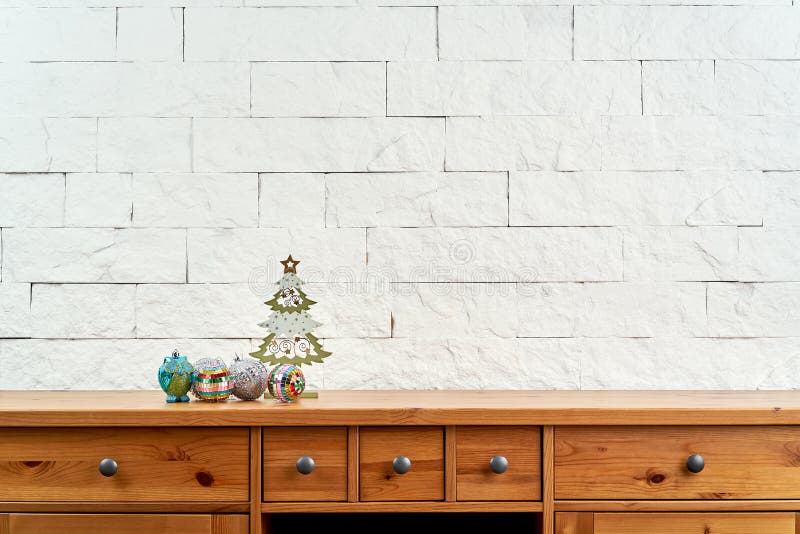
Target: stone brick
496 254
124 89
48 145
636 198
320 89
678 88
74 34
144 145
252 255
689 363
207 200
480 363
350 310
505 32
31 200
684 32
303 192
318 145
99 200
94 255
770 254
754 310
523 143
627 309
83 311
512 88
198 311
782 198
150 34
758 87
701 143
15 310
310 34
417 199
673 253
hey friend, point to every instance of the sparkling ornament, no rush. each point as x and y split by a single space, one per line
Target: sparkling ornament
249 378
212 380
175 377
286 382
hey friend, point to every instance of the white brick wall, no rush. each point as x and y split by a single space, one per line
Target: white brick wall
591 194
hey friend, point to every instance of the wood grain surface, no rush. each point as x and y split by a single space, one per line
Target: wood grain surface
424 446
155 464
697 523
123 523
326 445
574 523
650 462
520 445
147 408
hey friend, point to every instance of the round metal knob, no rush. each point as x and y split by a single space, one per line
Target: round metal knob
695 463
401 465
108 467
305 465
498 464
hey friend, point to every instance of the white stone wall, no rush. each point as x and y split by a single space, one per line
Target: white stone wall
482 193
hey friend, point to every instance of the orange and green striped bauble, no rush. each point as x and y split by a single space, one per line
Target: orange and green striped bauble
212 380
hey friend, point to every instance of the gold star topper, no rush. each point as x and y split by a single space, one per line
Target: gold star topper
289 265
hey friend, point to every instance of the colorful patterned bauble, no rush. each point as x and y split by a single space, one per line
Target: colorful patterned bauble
175 377
212 380
249 378
286 382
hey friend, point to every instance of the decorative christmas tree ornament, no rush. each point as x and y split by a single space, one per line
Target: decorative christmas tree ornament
289 326
286 382
175 377
249 378
212 380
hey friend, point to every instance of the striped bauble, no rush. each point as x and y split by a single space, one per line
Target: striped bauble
212 380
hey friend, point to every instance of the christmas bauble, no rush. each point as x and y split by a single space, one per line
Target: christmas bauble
175 377
249 378
286 382
212 380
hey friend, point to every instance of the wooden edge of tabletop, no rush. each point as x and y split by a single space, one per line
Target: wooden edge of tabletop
380 407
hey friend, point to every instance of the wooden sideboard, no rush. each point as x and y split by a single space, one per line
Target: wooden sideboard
545 462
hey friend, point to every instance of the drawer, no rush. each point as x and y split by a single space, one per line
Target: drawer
651 462
123 523
518 447
153 464
422 446
284 446
675 523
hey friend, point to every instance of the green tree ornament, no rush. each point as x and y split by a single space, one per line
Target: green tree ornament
289 325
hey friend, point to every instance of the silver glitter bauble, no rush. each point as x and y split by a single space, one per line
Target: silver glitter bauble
249 378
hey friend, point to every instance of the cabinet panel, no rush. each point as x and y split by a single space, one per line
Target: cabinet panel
152 464
422 446
519 446
694 523
326 446
651 462
122 523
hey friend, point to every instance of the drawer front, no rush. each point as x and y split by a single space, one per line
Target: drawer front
650 463
423 446
123 523
519 446
284 446
694 523
153 464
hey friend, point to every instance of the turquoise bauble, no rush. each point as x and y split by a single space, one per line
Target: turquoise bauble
175 377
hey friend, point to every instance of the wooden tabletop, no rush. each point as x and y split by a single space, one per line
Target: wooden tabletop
140 408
